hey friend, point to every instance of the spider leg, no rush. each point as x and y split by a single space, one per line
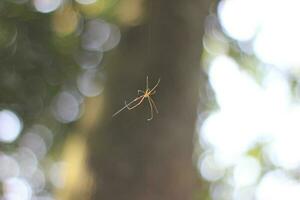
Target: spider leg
151 109
119 111
127 105
153 92
155 86
153 103
132 107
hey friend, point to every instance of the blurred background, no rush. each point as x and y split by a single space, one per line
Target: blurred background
67 65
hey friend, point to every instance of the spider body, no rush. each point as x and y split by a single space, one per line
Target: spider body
138 100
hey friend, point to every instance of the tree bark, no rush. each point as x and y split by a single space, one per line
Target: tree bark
136 159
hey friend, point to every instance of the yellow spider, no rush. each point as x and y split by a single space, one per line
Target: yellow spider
138 100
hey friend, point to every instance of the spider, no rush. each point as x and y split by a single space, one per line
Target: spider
138 100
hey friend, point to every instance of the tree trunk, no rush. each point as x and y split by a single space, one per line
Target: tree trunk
136 159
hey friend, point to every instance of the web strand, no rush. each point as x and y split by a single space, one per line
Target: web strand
149 31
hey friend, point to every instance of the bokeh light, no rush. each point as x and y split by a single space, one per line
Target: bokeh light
93 8
277 185
96 33
113 39
86 1
247 193
46 6
10 126
57 174
8 167
250 139
210 169
91 83
88 59
220 191
246 172
38 181
27 161
65 21
272 28
35 143
17 189
278 39
130 12
65 107
237 18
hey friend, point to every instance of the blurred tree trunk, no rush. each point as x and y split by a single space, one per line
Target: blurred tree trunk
136 159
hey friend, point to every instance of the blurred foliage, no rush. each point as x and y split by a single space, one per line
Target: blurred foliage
217 43
37 49
49 64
